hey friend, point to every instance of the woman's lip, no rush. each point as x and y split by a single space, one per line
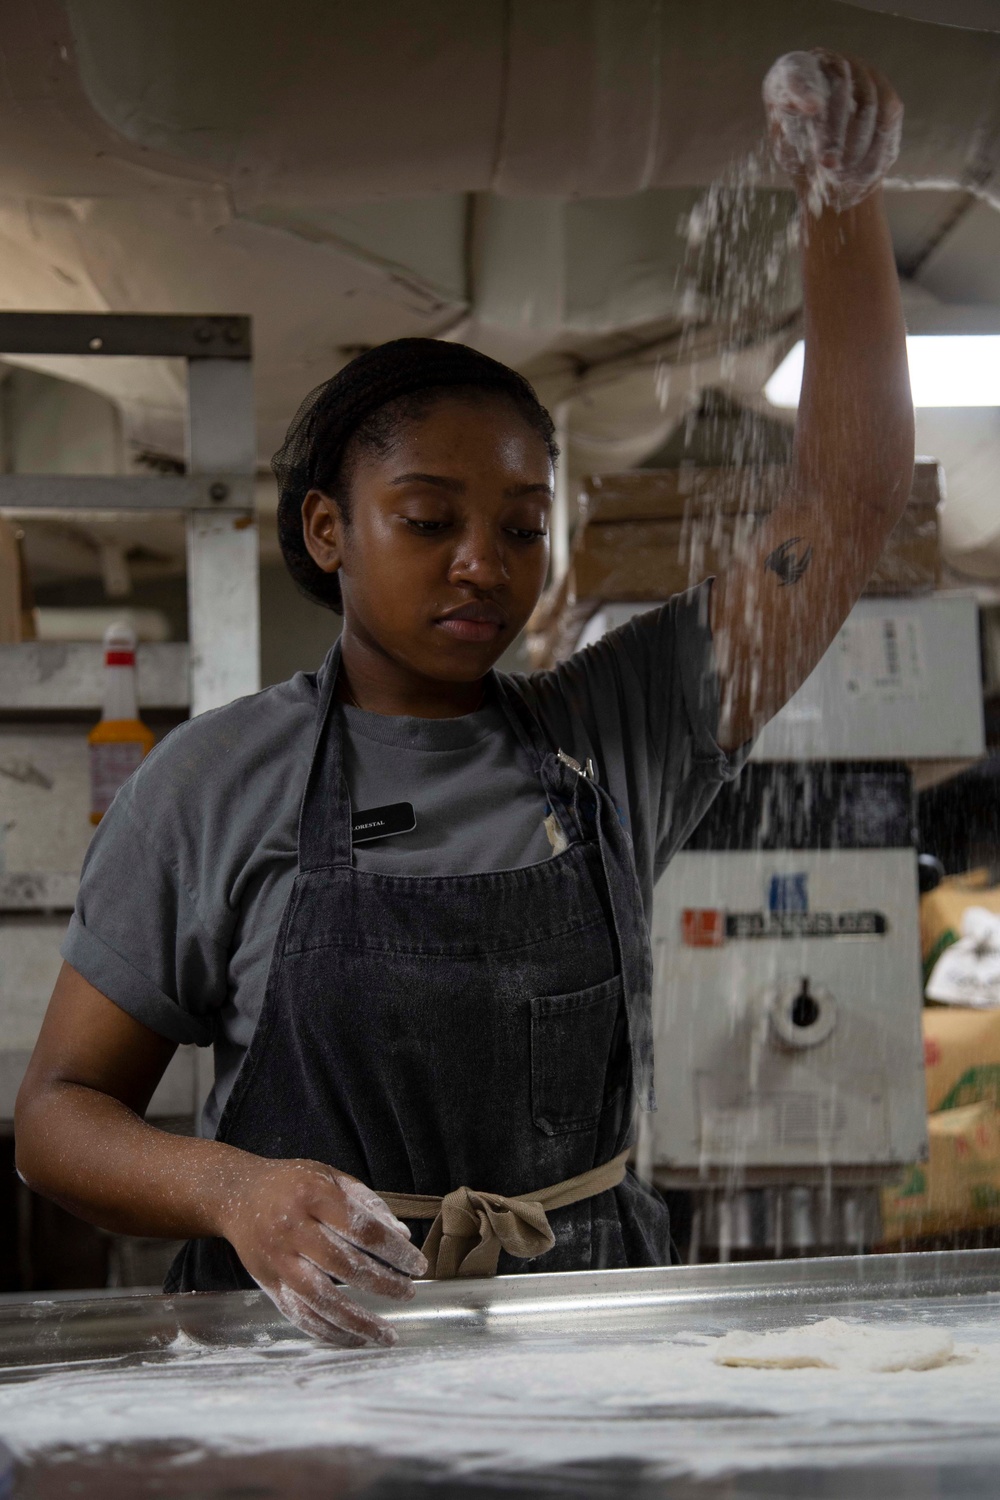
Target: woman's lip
470 630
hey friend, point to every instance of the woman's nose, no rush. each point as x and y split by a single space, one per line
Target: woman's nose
479 560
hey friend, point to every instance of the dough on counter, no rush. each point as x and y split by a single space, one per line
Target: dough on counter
835 1345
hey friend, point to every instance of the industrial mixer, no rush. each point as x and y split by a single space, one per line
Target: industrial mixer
786 945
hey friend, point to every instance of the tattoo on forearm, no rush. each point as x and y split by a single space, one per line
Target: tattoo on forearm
787 563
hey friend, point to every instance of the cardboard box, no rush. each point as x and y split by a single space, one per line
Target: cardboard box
651 533
680 494
959 1186
961 1057
556 626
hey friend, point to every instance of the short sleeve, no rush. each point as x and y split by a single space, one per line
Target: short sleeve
136 936
644 701
675 658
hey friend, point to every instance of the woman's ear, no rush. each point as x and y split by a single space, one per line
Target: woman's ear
323 531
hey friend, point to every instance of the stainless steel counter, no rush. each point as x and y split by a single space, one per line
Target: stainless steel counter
959 1289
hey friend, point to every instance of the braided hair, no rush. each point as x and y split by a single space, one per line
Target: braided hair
363 407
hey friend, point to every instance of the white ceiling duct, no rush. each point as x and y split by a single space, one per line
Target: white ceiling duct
335 100
517 173
967 443
975 15
201 157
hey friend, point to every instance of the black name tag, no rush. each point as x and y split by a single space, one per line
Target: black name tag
380 822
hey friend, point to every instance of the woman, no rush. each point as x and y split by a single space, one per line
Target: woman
407 897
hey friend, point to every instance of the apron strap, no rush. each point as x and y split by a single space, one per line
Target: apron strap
470 1228
593 806
522 720
554 771
634 953
325 813
578 799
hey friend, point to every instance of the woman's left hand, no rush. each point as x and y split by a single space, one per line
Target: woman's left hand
835 125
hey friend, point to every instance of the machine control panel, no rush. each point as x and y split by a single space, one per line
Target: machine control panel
787 1008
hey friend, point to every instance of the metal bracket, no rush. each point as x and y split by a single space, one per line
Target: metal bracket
216 494
149 335
588 771
41 493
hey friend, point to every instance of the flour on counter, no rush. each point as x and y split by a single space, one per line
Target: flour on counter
515 1403
833 1344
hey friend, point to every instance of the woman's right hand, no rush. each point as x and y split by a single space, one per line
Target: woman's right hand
835 124
81 1140
297 1224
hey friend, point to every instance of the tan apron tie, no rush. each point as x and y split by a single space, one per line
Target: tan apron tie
471 1228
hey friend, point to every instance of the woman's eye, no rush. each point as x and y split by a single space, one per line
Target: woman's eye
425 528
524 534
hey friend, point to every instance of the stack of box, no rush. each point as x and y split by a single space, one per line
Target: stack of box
958 1188
650 533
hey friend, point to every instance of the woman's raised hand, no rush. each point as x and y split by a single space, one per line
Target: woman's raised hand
834 123
300 1228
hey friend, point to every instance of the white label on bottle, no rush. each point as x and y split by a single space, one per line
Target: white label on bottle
111 765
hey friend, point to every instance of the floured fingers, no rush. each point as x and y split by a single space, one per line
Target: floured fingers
376 1206
311 1301
341 1258
837 117
887 133
348 1210
864 122
835 125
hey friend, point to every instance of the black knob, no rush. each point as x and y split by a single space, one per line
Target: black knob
805 1009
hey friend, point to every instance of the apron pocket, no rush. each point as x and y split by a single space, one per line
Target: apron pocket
579 1058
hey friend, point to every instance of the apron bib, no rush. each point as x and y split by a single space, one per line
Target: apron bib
426 1032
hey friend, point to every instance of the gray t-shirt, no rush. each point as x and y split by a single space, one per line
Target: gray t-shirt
187 876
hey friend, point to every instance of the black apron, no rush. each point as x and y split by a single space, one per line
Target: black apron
425 1033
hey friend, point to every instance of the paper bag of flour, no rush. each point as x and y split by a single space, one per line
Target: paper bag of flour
958 1187
961 1057
942 910
968 971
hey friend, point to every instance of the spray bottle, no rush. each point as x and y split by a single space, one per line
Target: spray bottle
121 740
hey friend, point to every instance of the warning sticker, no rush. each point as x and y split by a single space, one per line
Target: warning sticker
882 657
710 927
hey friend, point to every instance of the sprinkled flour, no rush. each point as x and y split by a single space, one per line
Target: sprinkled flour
516 1403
